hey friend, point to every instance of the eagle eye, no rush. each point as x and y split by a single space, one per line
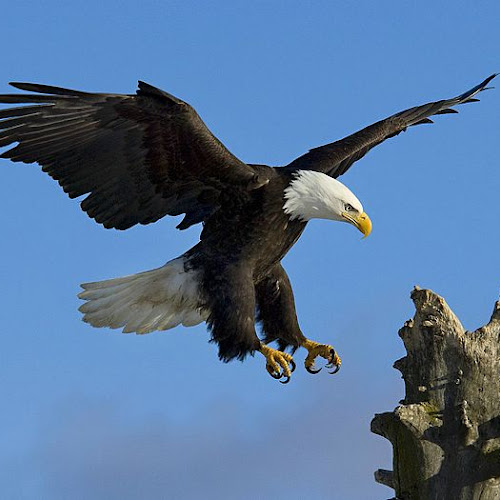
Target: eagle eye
348 207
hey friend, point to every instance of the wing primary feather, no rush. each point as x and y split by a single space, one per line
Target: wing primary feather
48 129
24 110
48 89
49 120
423 121
20 120
36 150
446 111
59 134
27 98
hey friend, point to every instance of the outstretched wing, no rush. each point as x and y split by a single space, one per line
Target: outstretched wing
138 157
335 159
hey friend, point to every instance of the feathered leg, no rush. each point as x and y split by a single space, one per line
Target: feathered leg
276 310
276 313
230 297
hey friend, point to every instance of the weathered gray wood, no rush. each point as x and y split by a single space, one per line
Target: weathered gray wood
446 432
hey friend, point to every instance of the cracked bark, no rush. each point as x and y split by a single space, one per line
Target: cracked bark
446 432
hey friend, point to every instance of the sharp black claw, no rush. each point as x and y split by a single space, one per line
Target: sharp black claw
312 370
275 375
293 366
285 381
335 370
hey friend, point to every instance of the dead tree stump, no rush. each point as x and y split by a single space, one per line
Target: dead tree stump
446 432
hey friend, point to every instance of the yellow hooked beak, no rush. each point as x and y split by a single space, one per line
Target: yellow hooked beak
361 221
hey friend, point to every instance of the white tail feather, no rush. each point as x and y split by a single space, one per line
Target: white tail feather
153 300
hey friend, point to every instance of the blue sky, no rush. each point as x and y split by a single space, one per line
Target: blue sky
93 414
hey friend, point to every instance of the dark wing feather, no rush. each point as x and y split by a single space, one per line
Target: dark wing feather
335 159
137 157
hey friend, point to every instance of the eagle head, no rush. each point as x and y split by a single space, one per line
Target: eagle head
314 195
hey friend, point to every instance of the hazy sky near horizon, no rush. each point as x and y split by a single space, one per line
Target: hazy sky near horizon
94 414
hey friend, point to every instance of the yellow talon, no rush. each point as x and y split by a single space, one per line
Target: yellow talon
278 364
323 350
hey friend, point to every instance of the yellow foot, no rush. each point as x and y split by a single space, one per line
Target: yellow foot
324 351
278 364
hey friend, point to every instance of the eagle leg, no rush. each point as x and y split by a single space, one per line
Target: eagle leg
278 364
325 351
276 310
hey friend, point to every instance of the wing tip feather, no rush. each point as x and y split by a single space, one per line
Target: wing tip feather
40 88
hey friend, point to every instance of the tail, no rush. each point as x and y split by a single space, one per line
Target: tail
153 300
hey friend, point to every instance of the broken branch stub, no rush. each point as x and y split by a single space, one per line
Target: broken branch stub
446 432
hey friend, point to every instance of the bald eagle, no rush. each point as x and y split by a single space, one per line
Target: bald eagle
140 157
